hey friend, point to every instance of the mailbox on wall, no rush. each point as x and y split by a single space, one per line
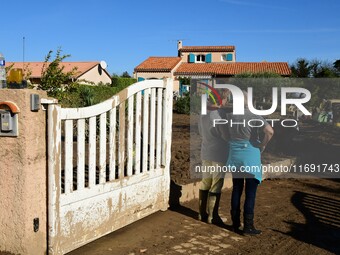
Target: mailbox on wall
9 119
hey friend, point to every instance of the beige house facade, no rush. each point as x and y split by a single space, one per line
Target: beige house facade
91 73
159 68
202 62
206 54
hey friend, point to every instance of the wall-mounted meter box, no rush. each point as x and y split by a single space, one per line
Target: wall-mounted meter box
6 121
9 119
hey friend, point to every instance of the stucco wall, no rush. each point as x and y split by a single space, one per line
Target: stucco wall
149 75
23 179
215 56
95 76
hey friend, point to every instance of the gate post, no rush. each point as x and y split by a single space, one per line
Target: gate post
54 178
23 196
167 119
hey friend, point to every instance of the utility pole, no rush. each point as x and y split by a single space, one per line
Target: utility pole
23 55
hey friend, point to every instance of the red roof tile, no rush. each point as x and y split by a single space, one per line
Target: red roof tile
158 64
281 68
207 49
36 67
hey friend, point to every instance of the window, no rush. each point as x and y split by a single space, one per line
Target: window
227 57
200 58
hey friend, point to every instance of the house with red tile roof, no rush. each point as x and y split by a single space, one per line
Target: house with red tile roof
203 62
86 72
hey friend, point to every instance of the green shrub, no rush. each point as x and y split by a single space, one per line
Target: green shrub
122 82
182 105
102 93
188 104
87 95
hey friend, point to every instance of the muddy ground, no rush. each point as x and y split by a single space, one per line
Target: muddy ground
297 216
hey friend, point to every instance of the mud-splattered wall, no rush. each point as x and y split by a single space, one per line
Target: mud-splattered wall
23 179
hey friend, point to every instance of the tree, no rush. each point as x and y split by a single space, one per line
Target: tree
27 72
125 75
54 79
301 68
322 69
336 65
326 72
114 75
315 66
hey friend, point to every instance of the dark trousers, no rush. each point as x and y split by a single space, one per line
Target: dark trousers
250 189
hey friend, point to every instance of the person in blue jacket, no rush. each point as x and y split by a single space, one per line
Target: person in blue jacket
245 148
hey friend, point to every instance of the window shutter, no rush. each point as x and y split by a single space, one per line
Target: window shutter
191 58
208 58
141 79
229 57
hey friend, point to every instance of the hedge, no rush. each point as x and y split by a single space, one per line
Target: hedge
122 82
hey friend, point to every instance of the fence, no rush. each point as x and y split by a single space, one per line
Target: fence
108 164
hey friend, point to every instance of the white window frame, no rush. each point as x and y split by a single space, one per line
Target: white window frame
198 58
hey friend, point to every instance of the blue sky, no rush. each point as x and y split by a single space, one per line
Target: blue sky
124 33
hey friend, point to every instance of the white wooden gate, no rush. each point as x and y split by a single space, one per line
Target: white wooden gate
108 164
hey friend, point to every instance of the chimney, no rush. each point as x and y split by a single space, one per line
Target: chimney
179 44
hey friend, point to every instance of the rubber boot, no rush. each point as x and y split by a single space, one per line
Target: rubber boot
213 205
249 228
202 207
235 217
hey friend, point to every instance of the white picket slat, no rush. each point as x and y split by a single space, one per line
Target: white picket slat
152 128
164 121
102 148
68 169
130 136
121 150
92 151
112 144
138 132
159 127
145 120
80 154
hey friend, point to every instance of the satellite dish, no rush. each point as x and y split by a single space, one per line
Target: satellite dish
103 64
